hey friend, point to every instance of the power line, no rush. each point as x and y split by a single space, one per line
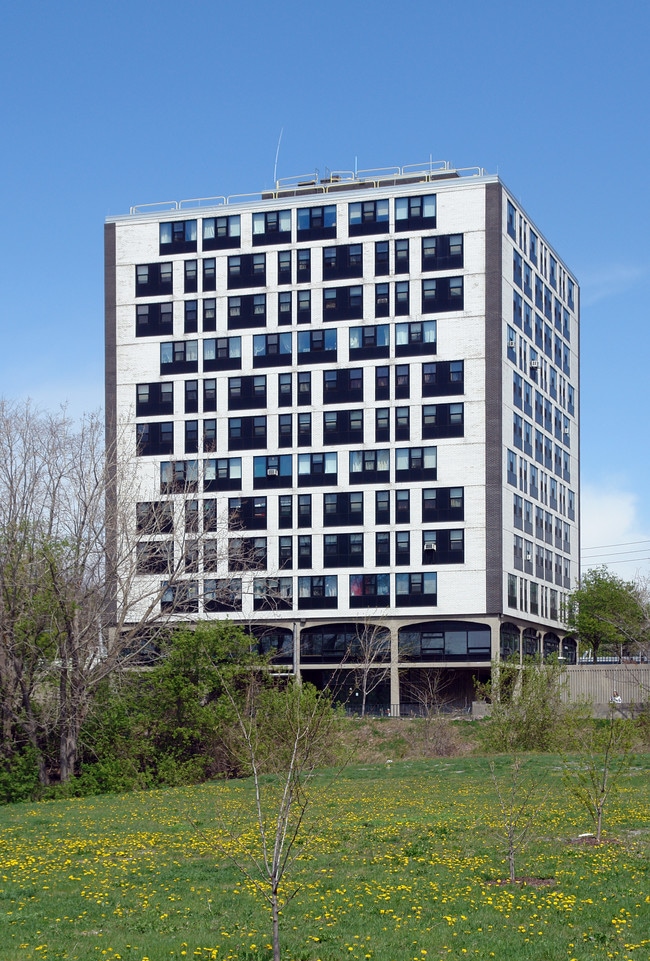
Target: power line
599 547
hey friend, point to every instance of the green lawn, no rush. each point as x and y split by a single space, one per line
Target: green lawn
398 863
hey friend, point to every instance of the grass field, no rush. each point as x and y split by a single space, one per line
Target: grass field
399 863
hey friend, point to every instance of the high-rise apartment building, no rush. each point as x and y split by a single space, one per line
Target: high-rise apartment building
350 407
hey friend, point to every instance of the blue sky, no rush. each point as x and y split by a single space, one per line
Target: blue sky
105 105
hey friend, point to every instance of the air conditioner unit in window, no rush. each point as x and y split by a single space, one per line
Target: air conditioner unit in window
534 364
429 547
272 472
512 343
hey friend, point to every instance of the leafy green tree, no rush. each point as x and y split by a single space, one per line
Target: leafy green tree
171 724
607 613
527 709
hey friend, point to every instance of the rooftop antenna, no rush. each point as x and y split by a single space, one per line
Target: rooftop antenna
277 154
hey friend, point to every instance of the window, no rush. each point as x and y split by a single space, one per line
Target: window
272 593
443 504
317 469
151 280
285 511
304 306
344 385
442 253
304 552
247 433
512 591
304 430
222 594
528 281
382 424
190 285
402 548
402 423
211 521
382 507
402 302
285 430
209 394
442 420
272 350
415 463
304 387
285 390
209 436
154 399
209 274
285 308
316 593
401 256
342 303
368 341
382 549
369 466
343 550
382 263
154 517
179 356
246 513
154 557
222 473
442 294
511 221
304 510
273 471
191 436
416 590
382 300
247 553
317 346
402 382
369 590
517 309
153 320
273 227
190 317
222 353
570 294
443 547
178 237
247 311
417 337
342 509
209 314
342 426
368 217
220 233
342 262
402 507
382 383
512 468
517 269
443 377
246 270
316 223
304 266
284 266
245 393
413 213
180 476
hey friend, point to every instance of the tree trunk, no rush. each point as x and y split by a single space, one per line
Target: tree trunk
275 911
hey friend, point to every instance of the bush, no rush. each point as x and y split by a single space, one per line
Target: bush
19 777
